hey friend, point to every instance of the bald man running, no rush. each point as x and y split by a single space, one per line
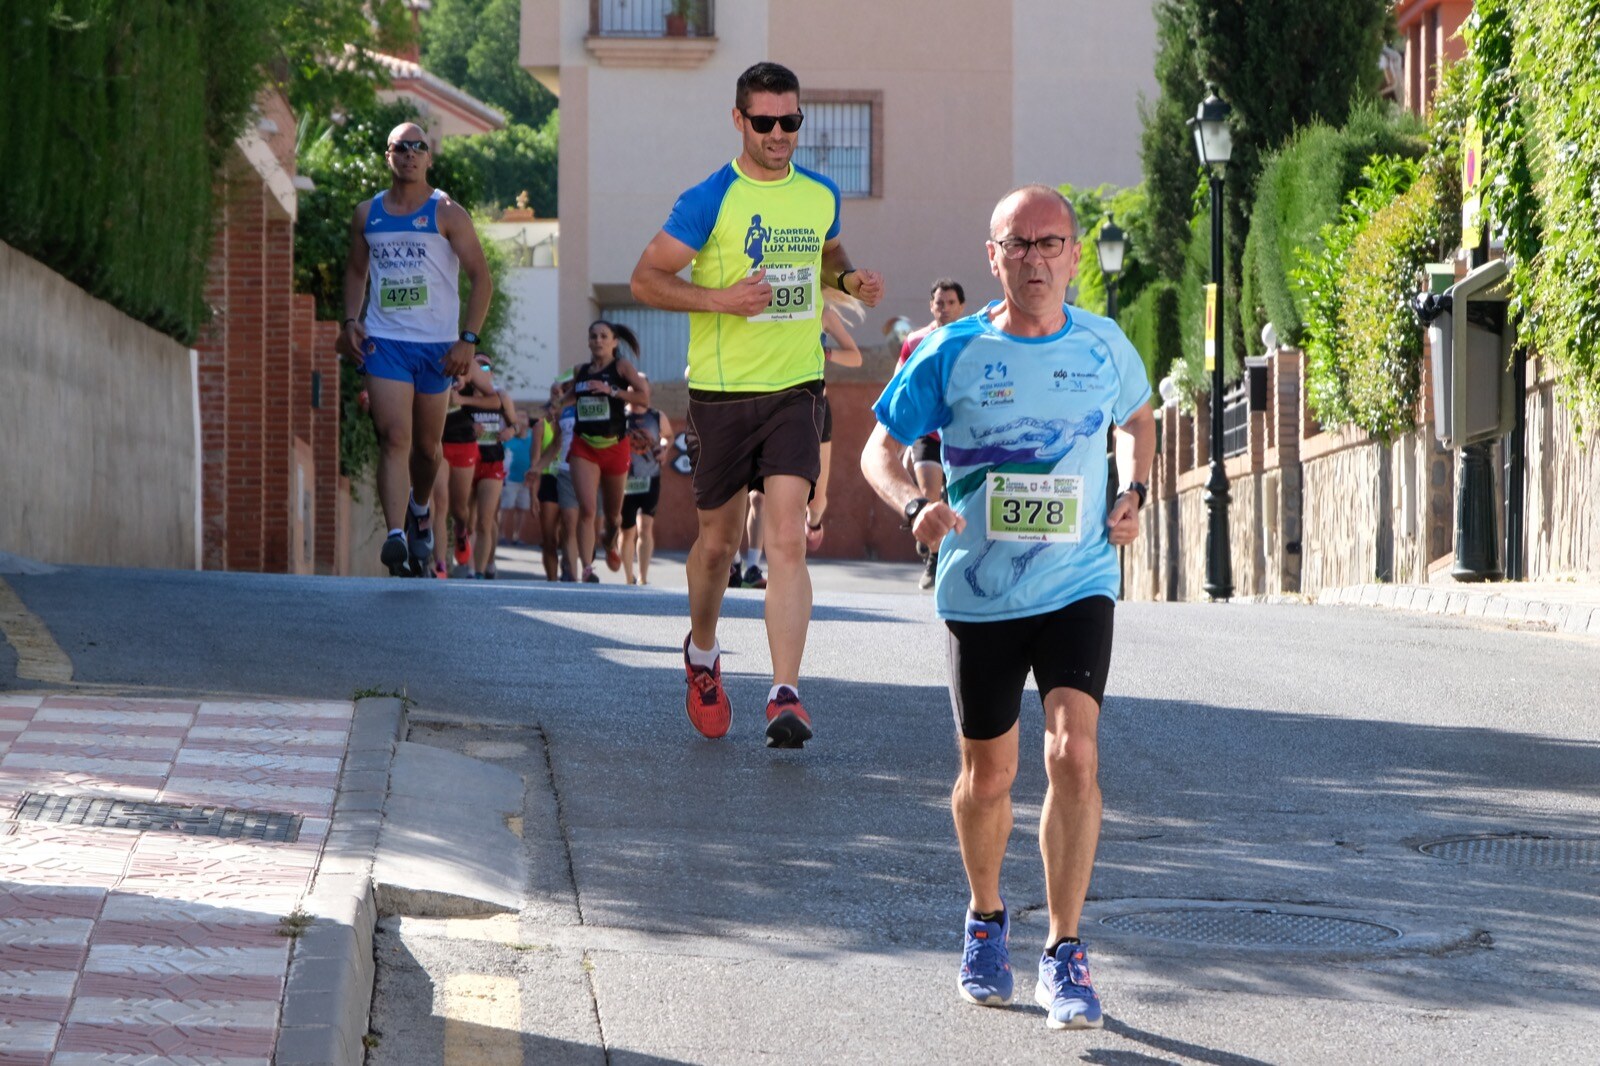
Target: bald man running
408 248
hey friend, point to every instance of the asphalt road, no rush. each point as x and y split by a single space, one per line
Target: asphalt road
1270 772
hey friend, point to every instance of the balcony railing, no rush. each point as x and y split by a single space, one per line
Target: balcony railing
1235 420
649 18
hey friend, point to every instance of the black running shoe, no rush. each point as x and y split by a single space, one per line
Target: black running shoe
394 555
419 541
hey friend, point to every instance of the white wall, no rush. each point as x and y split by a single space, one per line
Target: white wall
654 132
530 358
97 428
1078 69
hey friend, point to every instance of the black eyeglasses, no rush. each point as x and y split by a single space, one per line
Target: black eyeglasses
1017 247
417 147
764 123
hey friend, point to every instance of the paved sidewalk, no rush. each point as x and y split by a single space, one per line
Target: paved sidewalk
154 942
1565 606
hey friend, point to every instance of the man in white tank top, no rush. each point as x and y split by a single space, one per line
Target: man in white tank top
408 247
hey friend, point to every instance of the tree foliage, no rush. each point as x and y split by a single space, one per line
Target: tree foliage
1166 149
511 161
1280 64
474 45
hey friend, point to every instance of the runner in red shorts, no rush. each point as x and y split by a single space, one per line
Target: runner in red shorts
600 457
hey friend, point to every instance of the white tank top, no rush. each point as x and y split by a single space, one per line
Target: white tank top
412 276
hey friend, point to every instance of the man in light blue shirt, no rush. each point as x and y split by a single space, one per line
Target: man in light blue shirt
1023 394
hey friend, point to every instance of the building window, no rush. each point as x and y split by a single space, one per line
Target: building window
663 339
843 139
652 18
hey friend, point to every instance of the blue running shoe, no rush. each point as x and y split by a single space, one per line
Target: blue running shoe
1066 991
986 962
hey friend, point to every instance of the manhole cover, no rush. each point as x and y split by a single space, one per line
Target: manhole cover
1517 849
100 813
1251 927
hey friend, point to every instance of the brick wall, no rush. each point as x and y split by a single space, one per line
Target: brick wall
261 439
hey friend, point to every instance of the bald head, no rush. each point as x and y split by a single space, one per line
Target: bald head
1031 200
407 131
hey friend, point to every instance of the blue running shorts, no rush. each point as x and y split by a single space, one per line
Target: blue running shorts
420 363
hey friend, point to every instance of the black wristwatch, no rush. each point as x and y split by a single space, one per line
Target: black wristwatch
1141 489
469 336
913 509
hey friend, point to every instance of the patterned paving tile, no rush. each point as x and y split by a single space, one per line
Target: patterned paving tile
33 1007
104 768
65 901
165 961
241 761
132 744
81 784
98 717
21 1037
121 704
145 1011
299 710
36 854
41 956
167 1040
51 930
135 907
25 1058
192 934
314 801
92 1058
13 702
185 986
54 983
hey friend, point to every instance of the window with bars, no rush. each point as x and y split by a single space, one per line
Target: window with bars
841 138
650 18
663 339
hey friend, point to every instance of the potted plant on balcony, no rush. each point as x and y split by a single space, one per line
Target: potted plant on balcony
678 17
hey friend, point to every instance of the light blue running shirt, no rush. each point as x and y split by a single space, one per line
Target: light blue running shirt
1024 422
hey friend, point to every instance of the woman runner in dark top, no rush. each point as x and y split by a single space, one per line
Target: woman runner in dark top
600 455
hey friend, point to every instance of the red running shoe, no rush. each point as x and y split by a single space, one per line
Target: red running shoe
613 556
788 725
705 702
463 553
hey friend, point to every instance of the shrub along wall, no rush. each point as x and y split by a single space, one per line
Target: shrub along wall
114 114
1301 190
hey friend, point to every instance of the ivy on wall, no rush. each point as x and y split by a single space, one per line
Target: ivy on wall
1535 93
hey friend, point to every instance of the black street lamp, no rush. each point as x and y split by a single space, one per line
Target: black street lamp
1213 140
1110 248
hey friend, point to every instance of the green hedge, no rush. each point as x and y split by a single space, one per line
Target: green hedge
1151 323
113 114
1301 190
1363 344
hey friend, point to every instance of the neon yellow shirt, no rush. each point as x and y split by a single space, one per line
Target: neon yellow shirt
739 225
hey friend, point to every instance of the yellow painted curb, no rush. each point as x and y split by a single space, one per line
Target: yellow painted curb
39 657
483 1020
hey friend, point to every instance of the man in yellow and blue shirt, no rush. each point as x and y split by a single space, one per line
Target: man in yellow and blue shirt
761 236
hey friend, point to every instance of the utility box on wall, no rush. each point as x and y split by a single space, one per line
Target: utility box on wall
1472 341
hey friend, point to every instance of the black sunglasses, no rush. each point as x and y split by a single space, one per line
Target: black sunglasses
408 146
764 123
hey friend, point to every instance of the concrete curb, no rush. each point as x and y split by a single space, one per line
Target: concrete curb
328 997
1467 602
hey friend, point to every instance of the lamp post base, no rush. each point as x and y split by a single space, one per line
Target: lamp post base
1476 541
1219 557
